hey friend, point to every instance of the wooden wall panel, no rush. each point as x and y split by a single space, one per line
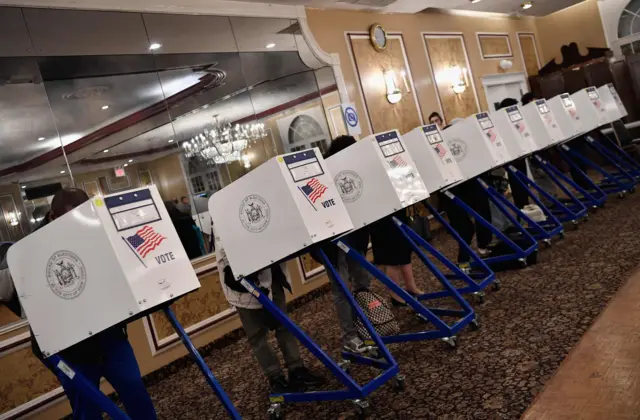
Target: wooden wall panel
494 45
529 53
445 52
370 66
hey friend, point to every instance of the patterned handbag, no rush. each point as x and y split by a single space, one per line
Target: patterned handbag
379 313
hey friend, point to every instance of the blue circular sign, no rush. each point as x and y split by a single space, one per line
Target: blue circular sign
351 116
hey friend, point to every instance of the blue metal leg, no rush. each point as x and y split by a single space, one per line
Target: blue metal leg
552 226
626 171
442 329
354 390
566 213
519 253
208 375
610 186
84 388
594 195
483 275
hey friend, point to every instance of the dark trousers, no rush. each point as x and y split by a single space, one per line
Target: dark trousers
120 368
474 196
519 192
579 145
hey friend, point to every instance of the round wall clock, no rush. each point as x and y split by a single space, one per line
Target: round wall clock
378 37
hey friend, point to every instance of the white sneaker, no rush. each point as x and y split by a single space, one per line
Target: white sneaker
483 252
355 345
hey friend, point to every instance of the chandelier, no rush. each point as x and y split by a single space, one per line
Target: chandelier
223 143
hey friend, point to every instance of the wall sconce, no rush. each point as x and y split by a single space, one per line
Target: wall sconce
246 160
458 79
506 64
393 93
14 218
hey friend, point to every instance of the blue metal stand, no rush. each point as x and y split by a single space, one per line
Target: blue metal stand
208 375
543 231
609 185
442 330
627 168
476 280
383 360
85 389
577 203
570 211
519 254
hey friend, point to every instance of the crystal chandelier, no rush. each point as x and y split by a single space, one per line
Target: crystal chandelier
223 143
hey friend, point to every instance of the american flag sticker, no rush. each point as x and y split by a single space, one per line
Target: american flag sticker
313 190
145 240
492 135
440 150
520 128
397 162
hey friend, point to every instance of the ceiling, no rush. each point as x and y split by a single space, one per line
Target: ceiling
540 7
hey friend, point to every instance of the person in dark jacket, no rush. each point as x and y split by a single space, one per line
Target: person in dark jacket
107 354
186 228
518 191
348 269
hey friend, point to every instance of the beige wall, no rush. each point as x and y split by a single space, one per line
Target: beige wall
329 27
580 24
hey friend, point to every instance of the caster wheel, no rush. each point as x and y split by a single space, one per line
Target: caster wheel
475 324
561 235
363 408
547 243
398 383
632 190
451 341
478 297
496 285
522 262
275 412
345 365
575 224
622 195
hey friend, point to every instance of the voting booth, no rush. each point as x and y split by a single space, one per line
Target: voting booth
476 145
102 263
567 116
376 176
613 104
591 108
283 206
435 162
515 131
542 123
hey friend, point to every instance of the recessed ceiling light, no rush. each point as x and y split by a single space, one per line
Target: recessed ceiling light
171 141
271 45
130 160
527 5
155 46
40 138
106 150
62 172
475 1
105 106
126 164
24 186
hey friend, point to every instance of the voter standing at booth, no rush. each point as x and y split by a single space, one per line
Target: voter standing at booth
518 191
348 268
471 193
107 354
257 322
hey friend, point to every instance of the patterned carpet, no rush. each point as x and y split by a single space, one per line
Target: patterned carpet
528 327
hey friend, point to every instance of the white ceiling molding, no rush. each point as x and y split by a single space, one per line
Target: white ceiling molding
205 7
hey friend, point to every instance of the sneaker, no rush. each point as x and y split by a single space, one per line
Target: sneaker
355 345
302 376
279 385
484 252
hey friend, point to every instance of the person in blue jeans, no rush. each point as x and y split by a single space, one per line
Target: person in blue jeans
107 354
